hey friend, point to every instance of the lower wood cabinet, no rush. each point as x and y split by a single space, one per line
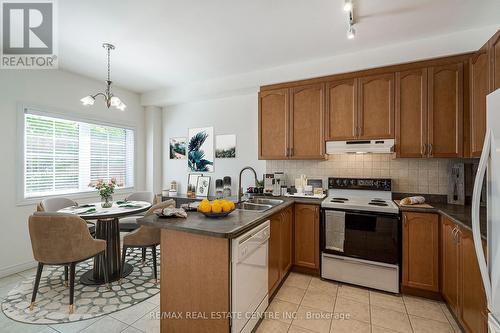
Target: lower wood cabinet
306 231
421 251
280 247
450 263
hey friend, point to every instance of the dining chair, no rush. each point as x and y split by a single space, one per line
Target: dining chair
145 236
55 204
129 223
63 240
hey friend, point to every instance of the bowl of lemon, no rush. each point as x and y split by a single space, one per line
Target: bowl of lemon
216 208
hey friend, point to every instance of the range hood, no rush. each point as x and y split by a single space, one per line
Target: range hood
382 146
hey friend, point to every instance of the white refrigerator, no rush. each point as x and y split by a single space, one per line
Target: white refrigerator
489 167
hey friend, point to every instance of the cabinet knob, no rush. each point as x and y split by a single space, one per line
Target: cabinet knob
430 149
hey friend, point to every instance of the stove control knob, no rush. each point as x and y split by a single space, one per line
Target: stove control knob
346 182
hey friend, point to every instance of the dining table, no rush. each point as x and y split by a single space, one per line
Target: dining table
107 228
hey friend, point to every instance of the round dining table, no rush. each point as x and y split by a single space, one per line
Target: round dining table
108 229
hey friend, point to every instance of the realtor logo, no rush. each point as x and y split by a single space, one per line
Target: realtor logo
28 34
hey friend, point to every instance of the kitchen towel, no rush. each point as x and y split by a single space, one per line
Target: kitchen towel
335 230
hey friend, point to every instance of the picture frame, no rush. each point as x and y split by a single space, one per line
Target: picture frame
200 149
203 186
178 148
193 179
225 146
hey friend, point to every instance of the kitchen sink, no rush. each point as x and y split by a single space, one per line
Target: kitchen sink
253 206
264 201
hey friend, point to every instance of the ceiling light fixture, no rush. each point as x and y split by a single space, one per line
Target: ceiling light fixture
351 32
109 98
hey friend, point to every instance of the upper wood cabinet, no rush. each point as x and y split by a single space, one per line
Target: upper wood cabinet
307 113
494 55
291 123
450 263
376 107
411 113
445 110
306 222
273 124
421 251
479 88
342 109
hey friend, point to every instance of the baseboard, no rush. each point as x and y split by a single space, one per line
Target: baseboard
305 270
421 293
9 270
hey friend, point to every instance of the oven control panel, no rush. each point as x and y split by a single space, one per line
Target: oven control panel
373 184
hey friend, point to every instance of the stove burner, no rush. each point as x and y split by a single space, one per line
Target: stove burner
337 201
340 199
378 200
374 203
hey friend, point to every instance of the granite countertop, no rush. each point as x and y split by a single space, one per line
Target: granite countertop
232 226
461 215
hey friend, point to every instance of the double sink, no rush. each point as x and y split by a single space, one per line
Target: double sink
259 204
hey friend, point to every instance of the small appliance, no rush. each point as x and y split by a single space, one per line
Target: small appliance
381 146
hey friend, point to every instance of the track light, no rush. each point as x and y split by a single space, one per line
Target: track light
351 32
347 5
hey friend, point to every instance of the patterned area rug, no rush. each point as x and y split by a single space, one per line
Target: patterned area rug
90 301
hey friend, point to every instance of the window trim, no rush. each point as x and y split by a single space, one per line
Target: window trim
22 108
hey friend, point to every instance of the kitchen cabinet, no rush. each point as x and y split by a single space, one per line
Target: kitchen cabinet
411 113
445 110
342 110
450 263
479 88
273 124
494 56
473 314
307 113
306 232
376 107
421 251
280 247
291 123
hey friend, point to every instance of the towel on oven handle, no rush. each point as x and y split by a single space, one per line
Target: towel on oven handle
335 230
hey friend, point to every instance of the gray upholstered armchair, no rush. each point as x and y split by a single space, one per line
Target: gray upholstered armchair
129 223
62 239
55 204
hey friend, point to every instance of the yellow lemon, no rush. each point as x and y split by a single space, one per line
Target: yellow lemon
205 207
226 206
231 205
216 207
205 201
216 202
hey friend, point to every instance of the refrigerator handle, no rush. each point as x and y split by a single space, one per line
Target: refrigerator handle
476 229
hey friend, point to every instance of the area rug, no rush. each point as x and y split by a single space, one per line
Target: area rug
90 301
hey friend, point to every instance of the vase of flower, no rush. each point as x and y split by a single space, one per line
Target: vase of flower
106 191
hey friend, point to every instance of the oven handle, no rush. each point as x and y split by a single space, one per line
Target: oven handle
371 215
364 262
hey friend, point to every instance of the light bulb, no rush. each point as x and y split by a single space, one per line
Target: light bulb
121 106
88 100
115 101
347 5
351 33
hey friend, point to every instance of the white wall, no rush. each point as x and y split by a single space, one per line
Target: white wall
153 125
235 115
58 91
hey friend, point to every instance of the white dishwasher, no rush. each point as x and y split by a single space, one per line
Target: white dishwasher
249 289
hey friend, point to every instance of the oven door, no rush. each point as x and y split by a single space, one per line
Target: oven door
363 235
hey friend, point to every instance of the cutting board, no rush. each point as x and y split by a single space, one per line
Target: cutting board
424 205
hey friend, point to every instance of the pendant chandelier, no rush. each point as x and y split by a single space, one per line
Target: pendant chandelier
109 98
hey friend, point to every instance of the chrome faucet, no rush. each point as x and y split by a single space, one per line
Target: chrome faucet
240 189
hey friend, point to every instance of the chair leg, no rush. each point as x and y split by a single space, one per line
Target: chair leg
143 255
37 284
153 250
71 286
124 254
65 276
104 264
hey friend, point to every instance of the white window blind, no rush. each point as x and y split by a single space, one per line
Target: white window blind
64 156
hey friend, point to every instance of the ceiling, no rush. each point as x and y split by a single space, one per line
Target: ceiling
166 43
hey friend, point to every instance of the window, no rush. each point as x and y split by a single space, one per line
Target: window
64 156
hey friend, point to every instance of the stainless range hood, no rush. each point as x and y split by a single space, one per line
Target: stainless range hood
382 146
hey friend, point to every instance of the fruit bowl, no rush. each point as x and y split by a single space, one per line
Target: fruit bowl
217 215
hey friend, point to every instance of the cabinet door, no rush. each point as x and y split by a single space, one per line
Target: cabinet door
494 47
286 241
450 254
274 253
376 107
411 113
307 236
479 88
273 124
306 122
473 297
342 109
445 109
421 251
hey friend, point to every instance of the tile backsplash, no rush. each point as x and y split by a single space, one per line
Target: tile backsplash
408 175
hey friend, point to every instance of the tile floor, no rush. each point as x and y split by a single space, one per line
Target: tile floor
307 304
140 318
304 304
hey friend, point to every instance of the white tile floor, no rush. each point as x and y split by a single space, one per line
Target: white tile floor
140 318
307 304
304 304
